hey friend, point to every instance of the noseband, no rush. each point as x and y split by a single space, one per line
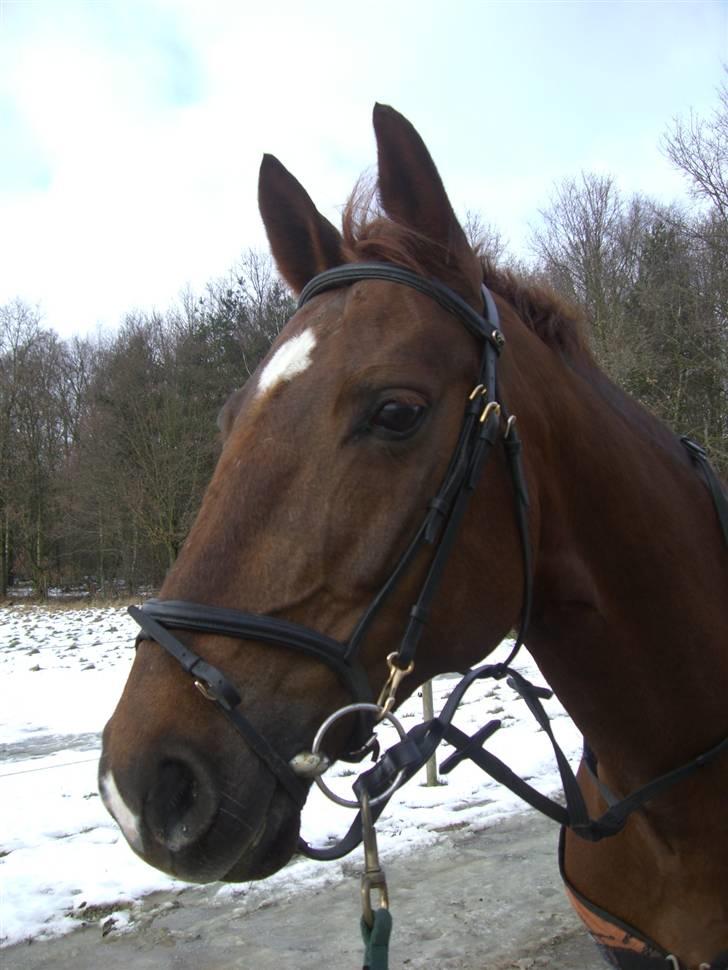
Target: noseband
482 423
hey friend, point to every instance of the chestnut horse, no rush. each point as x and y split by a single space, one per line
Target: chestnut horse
331 454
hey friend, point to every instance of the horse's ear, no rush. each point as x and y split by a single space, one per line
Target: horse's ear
411 193
302 241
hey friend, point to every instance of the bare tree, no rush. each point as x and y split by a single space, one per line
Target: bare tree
19 326
484 237
588 248
252 304
698 147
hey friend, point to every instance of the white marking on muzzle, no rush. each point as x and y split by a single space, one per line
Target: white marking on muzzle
293 357
128 821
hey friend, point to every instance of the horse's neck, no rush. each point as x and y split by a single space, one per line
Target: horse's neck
631 629
631 583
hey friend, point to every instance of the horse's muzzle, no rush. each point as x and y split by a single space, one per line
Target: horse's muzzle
190 817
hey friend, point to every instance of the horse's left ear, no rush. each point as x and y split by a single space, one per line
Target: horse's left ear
302 241
411 193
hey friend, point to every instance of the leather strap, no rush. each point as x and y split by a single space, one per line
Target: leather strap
227 698
419 744
349 273
199 618
699 458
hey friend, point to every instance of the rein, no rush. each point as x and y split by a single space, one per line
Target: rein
485 423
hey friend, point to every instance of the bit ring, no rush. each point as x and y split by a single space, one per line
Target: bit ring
320 734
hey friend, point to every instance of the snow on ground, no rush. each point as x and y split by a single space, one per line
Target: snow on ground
62 858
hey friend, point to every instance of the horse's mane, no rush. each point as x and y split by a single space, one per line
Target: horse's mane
370 235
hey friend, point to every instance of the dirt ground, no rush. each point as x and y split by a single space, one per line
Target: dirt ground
489 901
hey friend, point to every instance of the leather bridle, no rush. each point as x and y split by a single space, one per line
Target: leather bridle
484 421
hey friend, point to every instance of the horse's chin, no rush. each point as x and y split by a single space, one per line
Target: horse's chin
272 846
224 854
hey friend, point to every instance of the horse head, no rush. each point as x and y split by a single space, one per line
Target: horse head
332 454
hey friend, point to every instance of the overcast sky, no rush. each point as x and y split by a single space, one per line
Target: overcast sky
131 132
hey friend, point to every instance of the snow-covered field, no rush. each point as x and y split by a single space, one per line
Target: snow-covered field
62 857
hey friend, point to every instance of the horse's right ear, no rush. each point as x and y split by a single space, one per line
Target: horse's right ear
302 241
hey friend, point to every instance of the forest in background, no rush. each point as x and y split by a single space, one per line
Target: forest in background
107 443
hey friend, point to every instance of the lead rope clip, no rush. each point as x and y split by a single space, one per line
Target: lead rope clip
376 924
373 879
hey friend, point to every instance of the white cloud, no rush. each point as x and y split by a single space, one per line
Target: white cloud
149 121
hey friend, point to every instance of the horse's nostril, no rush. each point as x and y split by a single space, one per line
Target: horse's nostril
180 805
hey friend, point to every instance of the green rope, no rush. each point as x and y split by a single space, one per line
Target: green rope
376 940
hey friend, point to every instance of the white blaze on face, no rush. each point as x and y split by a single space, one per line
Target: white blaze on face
128 821
293 357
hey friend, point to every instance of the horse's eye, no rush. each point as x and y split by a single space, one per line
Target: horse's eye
397 419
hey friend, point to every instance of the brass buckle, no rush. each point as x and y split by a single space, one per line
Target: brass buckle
205 689
489 407
492 407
